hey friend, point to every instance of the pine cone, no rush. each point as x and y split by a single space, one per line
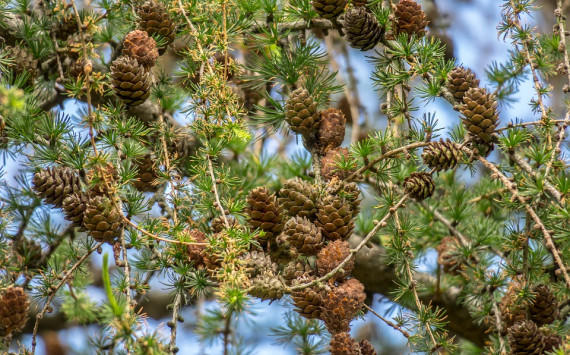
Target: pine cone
154 19
419 185
442 155
332 127
329 9
308 301
140 46
296 269
282 252
361 28
298 198
331 256
30 252
447 258
301 112
480 114
22 61
267 287
102 180
366 348
77 68
146 175
343 344
102 220
552 341
329 163
410 18
55 184
341 305
511 313
459 80
303 235
525 339
196 253
14 310
131 81
351 192
218 224
74 208
544 307
264 212
256 263
335 218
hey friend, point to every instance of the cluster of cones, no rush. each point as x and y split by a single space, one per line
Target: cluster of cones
91 208
478 107
528 325
360 26
131 75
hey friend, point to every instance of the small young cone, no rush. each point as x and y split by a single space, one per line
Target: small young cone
155 19
329 9
544 307
308 301
304 235
329 168
410 18
459 80
331 131
361 28
55 184
146 175
525 339
256 263
267 286
442 155
140 46
102 221
298 197
344 344
419 186
335 218
295 270
197 253
219 225
264 212
480 115
14 310
366 348
341 305
130 80
331 256
301 112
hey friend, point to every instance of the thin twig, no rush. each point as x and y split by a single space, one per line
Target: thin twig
215 183
174 325
391 324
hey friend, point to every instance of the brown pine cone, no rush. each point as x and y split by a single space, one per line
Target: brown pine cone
146 175
131 81
442 155
329 163
140 46
304 235
525 339
552 341
480 114
256 263
102 220
301 112
298 198
410 18
55 184
296 269
447 258
74 208
544 307
329 9
308 301
155 19
511 311
341 305
77 68
459 80
351 192
419 186
196 253
264 212
66 27
331 256
343 344
361 28
331 130
14 310
218 223
366 348
335 218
